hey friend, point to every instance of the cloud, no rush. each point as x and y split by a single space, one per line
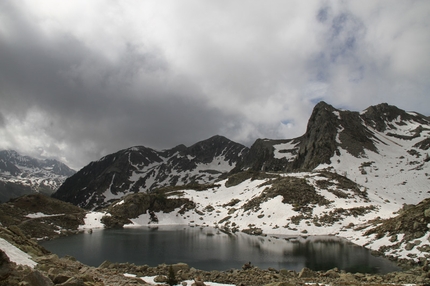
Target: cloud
86 78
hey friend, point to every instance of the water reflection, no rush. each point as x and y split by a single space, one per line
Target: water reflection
209 249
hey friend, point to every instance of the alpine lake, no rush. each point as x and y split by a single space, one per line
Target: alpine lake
210 249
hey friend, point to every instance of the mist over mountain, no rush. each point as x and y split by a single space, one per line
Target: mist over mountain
20 175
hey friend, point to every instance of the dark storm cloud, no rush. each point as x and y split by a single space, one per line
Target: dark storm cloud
2 121
79 79
90 100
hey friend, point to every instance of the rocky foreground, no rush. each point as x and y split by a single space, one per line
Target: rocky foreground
52 270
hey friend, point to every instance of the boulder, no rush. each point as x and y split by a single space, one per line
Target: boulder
307 273
36 278
105 264
180 266
348 277
280 284
331 274
73 282
160 279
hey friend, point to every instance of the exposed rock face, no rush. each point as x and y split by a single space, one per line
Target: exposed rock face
141 169
382 116
140 203
5 266
20 175
409 230
328 130
261 156
318 144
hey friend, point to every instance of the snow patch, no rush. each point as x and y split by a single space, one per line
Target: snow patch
285 150
93 220
15 254
40 215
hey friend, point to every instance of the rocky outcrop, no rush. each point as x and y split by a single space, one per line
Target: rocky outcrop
382 116
110 274
329 130
40 217
408 230
52 270
134 205
261 157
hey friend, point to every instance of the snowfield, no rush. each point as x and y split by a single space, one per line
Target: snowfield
15 254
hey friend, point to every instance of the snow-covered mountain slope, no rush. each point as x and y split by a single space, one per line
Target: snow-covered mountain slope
345 175
141 169
21 175
288 204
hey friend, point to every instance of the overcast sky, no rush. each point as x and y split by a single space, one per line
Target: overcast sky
82 79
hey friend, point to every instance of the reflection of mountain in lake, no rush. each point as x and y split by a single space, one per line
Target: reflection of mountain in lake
209 249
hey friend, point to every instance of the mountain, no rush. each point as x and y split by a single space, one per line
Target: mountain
331 131
347 175
354 144
21 175
142 169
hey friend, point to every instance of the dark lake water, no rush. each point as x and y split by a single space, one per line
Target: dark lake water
209 249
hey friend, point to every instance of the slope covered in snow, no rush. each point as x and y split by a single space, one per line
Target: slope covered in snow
141 169
344 176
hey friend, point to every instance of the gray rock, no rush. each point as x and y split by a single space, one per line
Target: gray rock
160 279
36 278
105 264
180 266
61 278
307 273
5 265
73 282
331 274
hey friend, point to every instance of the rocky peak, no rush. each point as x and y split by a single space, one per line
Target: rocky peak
381 116
216 146
142 169
318 143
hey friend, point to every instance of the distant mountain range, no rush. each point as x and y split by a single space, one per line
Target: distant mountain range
20 175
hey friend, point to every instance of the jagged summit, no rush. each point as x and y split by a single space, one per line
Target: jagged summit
330 130
381 116
142 169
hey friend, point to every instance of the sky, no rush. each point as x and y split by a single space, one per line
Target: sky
83 79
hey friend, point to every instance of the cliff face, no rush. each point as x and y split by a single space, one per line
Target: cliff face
331 130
